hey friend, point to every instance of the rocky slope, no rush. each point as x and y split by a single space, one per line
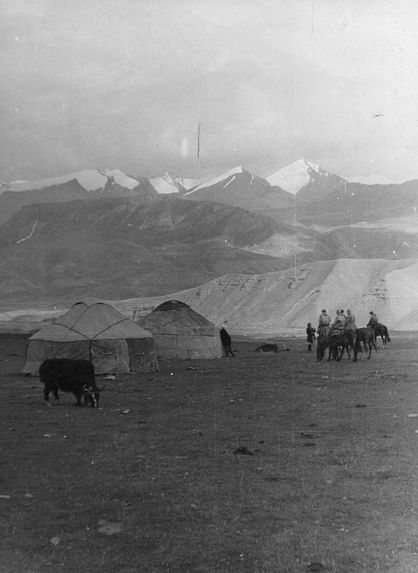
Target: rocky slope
126 247
273 302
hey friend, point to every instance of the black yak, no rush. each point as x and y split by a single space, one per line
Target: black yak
268 347
75 376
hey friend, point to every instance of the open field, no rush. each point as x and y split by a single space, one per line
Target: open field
258 463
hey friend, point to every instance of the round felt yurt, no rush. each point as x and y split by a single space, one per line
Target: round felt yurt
96 332
180 332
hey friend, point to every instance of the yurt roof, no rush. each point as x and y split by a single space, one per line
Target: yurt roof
174 316
87 320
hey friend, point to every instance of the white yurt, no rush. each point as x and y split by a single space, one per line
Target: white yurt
96 332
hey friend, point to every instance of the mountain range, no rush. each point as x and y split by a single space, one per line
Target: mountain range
113 236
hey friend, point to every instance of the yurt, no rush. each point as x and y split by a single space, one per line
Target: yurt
180 332
96 332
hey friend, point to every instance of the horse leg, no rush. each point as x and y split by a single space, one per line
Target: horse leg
355 351
330 350
373 344
320 351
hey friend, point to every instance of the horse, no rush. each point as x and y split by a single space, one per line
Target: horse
322 341
382 331
340 341
367 337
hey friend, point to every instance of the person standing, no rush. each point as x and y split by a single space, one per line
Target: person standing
310 336
226 341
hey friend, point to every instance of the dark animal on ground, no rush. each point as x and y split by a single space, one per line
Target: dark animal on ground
75 376
366 337
382 331
267 348
340 341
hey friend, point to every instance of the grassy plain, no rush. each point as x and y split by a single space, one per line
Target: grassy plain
258 463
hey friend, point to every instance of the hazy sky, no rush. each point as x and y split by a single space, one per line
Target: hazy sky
124 84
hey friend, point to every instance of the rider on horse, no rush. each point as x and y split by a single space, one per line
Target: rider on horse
339 323
324 322
350 321
374 321
324 319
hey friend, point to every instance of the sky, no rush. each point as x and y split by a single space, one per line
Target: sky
125 84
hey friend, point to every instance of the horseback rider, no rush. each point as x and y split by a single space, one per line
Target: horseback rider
350 321
324 322
324 319
339 323
374 321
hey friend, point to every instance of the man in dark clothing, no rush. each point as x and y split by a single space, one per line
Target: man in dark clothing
310 336
226 341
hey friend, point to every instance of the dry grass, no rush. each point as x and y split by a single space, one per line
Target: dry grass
259 463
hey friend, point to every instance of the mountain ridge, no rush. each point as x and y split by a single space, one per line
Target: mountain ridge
117 242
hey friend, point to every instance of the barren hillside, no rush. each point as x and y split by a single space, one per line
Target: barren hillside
276 301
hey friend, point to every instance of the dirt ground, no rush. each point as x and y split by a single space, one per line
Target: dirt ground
258 463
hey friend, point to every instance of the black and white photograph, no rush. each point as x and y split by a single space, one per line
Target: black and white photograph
209 286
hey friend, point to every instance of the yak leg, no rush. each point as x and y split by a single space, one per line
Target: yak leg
46 394
55 393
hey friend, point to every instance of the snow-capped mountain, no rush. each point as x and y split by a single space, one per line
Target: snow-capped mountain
166 184
188 183
293 177
227 177
243 189
90 179
306 179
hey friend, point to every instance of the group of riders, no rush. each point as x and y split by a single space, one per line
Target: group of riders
343 322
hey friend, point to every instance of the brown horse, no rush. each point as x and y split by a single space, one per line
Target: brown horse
340 341
367 337
382 331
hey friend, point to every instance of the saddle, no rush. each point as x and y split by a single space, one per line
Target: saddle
323 330
337 331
